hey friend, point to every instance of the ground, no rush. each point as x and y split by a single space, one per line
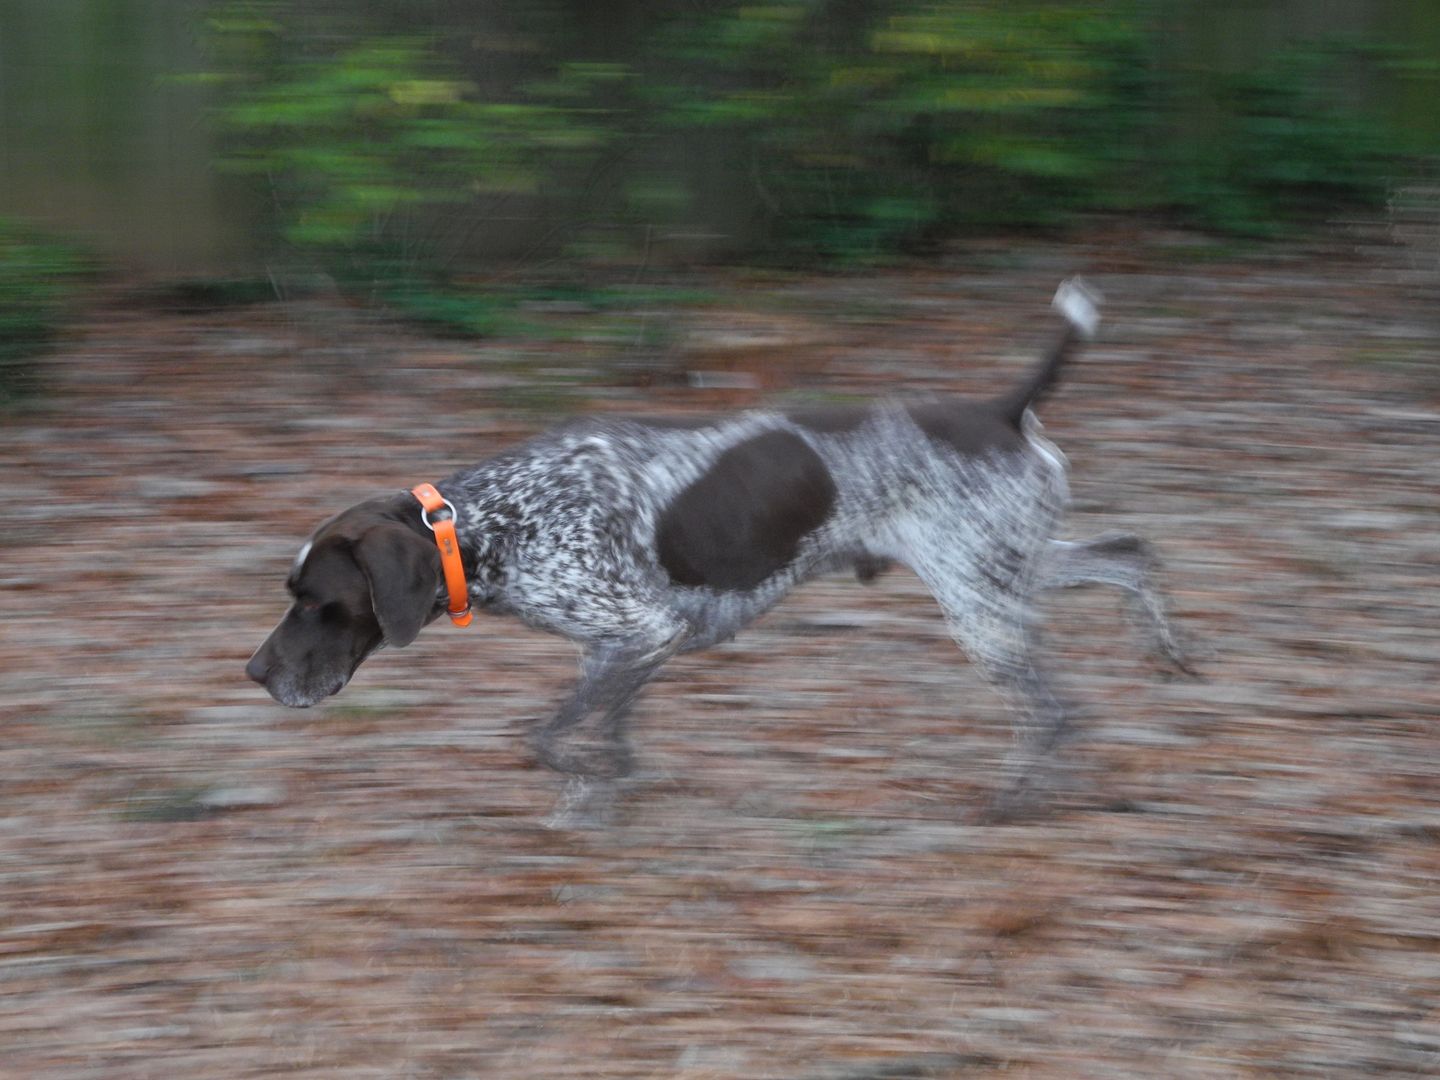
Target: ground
1238 878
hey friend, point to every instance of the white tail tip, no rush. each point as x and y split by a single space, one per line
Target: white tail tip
1080 304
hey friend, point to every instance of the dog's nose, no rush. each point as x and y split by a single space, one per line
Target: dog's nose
258 669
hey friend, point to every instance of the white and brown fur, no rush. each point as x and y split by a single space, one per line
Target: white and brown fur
640 539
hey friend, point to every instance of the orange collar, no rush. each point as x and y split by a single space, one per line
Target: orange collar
444 530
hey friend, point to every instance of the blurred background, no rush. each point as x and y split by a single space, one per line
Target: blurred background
403 143
261 260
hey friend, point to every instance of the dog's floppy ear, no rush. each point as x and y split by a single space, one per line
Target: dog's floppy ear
403 571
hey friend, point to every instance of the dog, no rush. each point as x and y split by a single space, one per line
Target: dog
639 539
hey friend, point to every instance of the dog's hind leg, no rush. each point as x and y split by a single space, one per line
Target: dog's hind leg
987 610
1002 647
1127 562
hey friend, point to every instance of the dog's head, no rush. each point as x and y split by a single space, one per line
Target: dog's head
367 577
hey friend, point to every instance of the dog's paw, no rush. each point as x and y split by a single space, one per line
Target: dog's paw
582 754
1041 791
1023 797
1181 662
585 803
1017 805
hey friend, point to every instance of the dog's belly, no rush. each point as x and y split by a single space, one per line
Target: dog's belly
712 617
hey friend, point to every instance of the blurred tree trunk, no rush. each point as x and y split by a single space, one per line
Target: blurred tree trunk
95 139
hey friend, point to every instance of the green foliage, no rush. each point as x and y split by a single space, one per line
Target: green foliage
961 114
1287 146
444 308
376 152
38 277
355 141
857 128
923 117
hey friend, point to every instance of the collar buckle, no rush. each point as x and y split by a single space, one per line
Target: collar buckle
432 503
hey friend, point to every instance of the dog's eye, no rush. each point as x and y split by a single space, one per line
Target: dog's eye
319 611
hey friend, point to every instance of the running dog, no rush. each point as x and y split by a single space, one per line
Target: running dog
639 539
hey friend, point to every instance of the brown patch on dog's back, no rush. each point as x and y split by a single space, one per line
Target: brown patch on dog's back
964 427
743 520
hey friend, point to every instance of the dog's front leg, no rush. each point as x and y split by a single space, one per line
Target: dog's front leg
610 680
608 685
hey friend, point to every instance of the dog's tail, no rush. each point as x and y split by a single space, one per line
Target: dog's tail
1080 306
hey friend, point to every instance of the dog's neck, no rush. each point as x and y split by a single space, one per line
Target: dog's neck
485 536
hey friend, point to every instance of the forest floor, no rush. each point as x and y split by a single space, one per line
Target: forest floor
1240 880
